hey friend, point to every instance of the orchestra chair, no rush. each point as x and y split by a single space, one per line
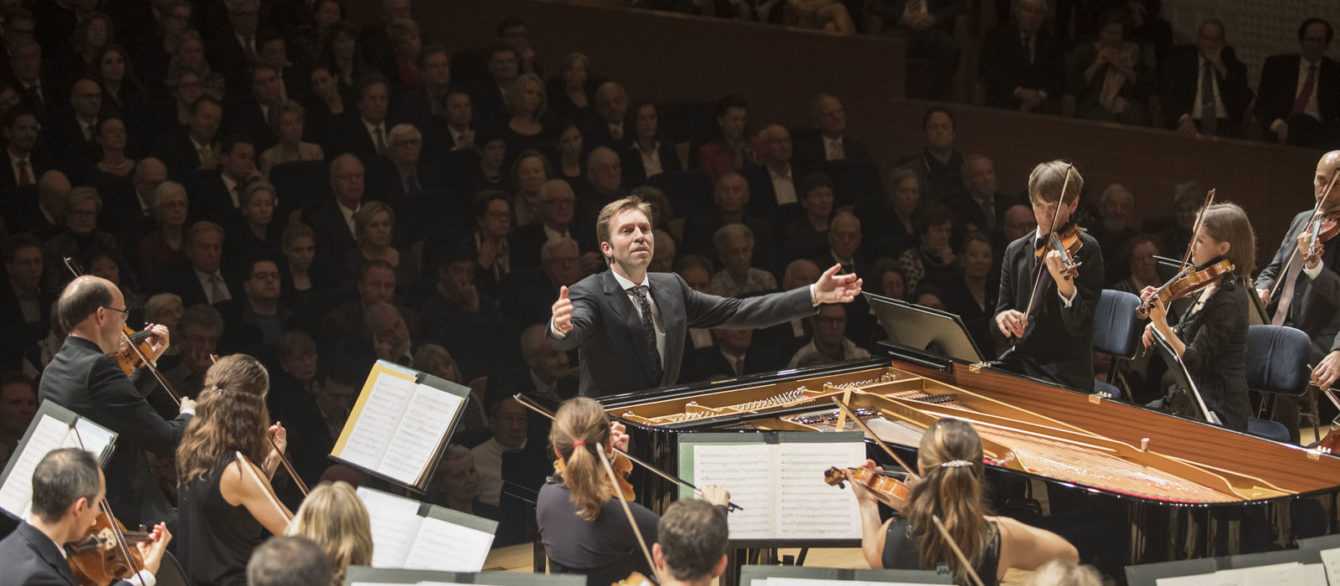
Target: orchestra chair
1116 331
1277 359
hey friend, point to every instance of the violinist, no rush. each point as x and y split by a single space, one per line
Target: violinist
224 465
1304 292
1211 337
84 377
693 540
1045 308
582 524
949 461
334 518
67 490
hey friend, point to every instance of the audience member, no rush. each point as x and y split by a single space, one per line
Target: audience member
933 261
18 404
289 121
201 280
1022 65
829 343
806 235
199 332
738 278
1108 80
929 26
23 161
649 154
1298 101
728 149
27 303
1116 224
972 294
1205 85
772 182
456 485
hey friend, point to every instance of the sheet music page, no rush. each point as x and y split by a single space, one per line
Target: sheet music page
94 437
808 508
448 547
746 471
821 582
425 421
1214 579
1331 559
395 522
48 434
378 420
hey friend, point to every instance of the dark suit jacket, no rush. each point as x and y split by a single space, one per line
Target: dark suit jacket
22 336
30 558
606 327
1279 88
635 174
809 150
211 201
334 243
176 150
9 180
63 132
1315 307
247 117
183 282
1058 343
348 134
84 380
528 240
1216 351
709 364
1181 79
1005 66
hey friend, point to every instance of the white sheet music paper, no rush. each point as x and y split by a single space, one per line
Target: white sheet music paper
1331 559
821 582
449 548
395 522
745 470
378 420
426 417
17 494
808 507
1286 574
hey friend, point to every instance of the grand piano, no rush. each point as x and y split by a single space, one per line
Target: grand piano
1125 484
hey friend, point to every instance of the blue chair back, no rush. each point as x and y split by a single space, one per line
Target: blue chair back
1116 329
1277 359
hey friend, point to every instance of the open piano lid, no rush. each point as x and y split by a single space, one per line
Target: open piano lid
923 333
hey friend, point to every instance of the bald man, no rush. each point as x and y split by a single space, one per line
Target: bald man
772 184
84 377
1304 291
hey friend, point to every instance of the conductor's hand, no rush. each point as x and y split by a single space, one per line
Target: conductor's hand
830 288
716 495
562 312
1011 323
155 548
1326 373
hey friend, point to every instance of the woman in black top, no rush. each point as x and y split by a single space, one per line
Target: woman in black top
1211 338
582 525
949 461
225 498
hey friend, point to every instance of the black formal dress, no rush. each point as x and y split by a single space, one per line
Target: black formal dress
902 553
214 538
1215 334
605 549
84 380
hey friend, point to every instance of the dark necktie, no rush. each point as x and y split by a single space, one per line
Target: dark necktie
648 329
1209 114
25 173
1309 85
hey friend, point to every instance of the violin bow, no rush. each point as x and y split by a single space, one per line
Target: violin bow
628 512
958 553
1195 227
288 466
122 547
527 403
1316 211
153 370
879 442
249 470
1041 268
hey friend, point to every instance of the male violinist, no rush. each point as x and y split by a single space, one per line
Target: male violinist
67 490
84 377
1306 293
1054 341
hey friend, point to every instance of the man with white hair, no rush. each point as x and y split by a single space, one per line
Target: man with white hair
558 220
609 127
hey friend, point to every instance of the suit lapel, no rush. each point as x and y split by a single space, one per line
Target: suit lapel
45 549
670 304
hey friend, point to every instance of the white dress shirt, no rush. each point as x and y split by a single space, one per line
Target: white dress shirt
834 150
349 219
656 321
1219 110
651 159
1303 68
207 281
783 187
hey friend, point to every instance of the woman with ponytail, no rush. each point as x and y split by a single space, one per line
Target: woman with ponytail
224 463
581 523
949 461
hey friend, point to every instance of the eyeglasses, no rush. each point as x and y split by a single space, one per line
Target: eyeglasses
120 310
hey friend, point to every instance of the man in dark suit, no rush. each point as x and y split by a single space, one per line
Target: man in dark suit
258 117
76 129
489 95
609 127
367 131
67 489
772 183
202 282
1205 86
21 162
426 107
981 204
1022 65
333 222
234 48
558 211
527 294
1053 342
629 338
25 308
734 354
40 91
196 147
1303 290
83 378
217 195
831 142
1299 98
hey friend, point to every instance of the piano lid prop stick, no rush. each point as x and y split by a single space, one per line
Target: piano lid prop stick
870 432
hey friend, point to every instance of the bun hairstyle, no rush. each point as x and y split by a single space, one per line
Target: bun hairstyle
581 427
951 488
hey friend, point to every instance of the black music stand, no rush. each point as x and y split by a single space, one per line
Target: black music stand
924 331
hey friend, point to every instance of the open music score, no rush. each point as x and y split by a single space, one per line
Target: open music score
400 424
413 535
769 575
365 576
1286 574
778 479
53 427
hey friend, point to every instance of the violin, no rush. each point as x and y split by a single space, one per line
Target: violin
107 553
1185 284
1066 241
622 468
128 359
888 490
1324 228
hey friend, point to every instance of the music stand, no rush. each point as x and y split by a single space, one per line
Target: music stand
924 331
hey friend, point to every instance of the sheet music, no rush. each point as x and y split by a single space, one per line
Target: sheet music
395 522
822 582
1330 558
808 507
426 419
1286 574
92 437
377 422
49 434
747 471
444 546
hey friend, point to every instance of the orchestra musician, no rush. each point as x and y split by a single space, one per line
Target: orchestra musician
629 325
224 464
334 518
693 538
1211 337
1053 341
67 489
84 377
582 525
949 460
1307 291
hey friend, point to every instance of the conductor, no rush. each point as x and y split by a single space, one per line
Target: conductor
629 325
